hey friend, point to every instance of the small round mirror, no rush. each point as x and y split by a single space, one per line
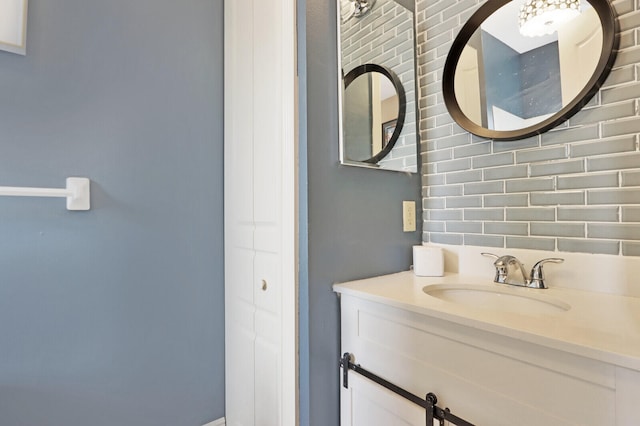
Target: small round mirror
519 68
374 112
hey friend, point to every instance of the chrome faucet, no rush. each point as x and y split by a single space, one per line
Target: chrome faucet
507 266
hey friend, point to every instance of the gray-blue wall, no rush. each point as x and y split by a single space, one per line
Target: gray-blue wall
113 316
354 220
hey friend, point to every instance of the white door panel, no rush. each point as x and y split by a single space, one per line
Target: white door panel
240 272
267 383
260 213
267 238
239 392
267 327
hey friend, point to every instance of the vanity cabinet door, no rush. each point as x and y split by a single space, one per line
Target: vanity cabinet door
367 404
627 397
484 378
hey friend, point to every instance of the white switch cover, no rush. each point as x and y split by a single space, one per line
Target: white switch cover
409 216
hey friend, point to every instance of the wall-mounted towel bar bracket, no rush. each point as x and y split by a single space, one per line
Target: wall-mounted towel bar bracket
432 411
77 193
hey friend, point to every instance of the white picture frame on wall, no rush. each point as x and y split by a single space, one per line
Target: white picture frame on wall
13 26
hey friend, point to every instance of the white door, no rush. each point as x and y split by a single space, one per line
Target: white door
260 213
467 85
579 46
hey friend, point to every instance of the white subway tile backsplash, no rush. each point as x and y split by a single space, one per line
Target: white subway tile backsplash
483 188
450 214
548 244
433 203
631 214
445 238
445 190
596 114
506 172
428 180
572 134
483 240
620 76
557 198
589 214
506 228
531 184
484 214
631 178
461 177
493 160
500 146
604 146
434 7
614 162
541 154
511 200
614 231
464 227
629 21
546 229
557 168
621 93
621 127
623 6
630 248
614 196
451 141
432 226
464 201
529 214
453 165
588 246
607 180
472 150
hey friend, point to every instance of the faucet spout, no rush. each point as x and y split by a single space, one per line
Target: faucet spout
512 266
507 266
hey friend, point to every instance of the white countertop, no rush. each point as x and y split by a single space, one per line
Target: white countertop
600 326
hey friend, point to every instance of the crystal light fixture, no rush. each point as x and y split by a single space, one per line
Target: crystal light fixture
357 9
543 17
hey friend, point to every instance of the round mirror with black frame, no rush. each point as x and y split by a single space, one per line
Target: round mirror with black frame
374 113
512 72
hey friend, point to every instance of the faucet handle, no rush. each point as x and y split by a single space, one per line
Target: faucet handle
495 256
501 268
537 273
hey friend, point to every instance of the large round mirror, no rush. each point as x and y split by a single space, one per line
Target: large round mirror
518 68
374 112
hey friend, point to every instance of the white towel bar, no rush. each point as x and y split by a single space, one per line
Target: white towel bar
77 193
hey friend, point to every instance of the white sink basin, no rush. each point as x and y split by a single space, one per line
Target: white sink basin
497 298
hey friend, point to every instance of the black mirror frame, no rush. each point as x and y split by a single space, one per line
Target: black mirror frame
610 43
402 103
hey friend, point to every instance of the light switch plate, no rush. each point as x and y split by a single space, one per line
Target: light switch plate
409 216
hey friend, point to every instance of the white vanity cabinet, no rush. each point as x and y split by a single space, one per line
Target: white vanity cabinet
484 377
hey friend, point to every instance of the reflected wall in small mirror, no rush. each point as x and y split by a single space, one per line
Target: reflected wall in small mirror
374 113
511 75
378 86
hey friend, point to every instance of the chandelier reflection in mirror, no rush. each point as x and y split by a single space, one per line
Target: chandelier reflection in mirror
355 8
544 17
